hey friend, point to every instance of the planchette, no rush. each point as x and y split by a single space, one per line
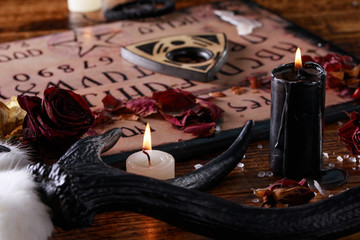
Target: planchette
194 56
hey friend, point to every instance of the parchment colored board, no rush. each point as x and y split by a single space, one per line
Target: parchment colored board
88 61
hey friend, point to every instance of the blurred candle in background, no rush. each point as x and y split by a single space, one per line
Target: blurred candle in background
84 5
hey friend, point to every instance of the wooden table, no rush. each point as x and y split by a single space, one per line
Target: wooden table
337 21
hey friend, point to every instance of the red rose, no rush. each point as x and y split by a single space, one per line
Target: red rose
57 120
349 134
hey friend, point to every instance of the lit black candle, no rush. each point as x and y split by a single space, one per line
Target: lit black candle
297 119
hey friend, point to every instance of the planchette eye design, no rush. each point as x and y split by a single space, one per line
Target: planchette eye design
195 56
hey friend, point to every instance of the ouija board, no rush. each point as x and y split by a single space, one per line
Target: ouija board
88 61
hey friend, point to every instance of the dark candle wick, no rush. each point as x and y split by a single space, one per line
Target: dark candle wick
148 156
298 75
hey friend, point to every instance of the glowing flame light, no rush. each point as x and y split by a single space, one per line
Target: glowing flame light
147 138
298 62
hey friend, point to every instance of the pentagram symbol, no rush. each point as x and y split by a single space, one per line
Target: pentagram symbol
85 41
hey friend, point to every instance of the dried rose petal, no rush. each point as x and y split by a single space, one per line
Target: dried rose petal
143 106
352 82
285 182
174 99
238 90
254 82
111 103
356 94
181 120
293 196
285 192
348 133
307 58
128 116
353 72
214 110
201 129
262 192
217 94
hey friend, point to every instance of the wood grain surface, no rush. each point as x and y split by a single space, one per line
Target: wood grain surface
337 21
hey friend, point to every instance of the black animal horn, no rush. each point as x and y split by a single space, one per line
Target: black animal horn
211 173
77 191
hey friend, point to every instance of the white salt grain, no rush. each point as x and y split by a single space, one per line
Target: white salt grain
339 158
331 195
269 174
340 123
197 166
332 165
353 168
259 146
261 174
325 154
346 156
352 159
255 200
240 165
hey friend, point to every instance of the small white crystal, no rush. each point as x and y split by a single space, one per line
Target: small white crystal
244 156
339 158
217 128
244 25
331 195
261 174
269 174
332 165
340 123
353 168
325 154
346 156
197 166
352 159
240 165
259 146
255 200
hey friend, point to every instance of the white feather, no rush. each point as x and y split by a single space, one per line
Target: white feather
23 216
17 158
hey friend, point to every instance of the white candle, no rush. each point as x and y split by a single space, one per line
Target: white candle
162 164
157 164
84 5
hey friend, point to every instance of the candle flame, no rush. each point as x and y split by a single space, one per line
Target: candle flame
147 138
298 62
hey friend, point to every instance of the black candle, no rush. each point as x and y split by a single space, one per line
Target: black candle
297 119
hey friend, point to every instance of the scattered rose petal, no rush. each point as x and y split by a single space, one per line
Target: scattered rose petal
349 134
111 103
254 82
238 90
128 116
200 129
174 99
285 192
143 106
217 94
214 110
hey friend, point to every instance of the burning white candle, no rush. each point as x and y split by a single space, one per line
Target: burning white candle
84 5
152 163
